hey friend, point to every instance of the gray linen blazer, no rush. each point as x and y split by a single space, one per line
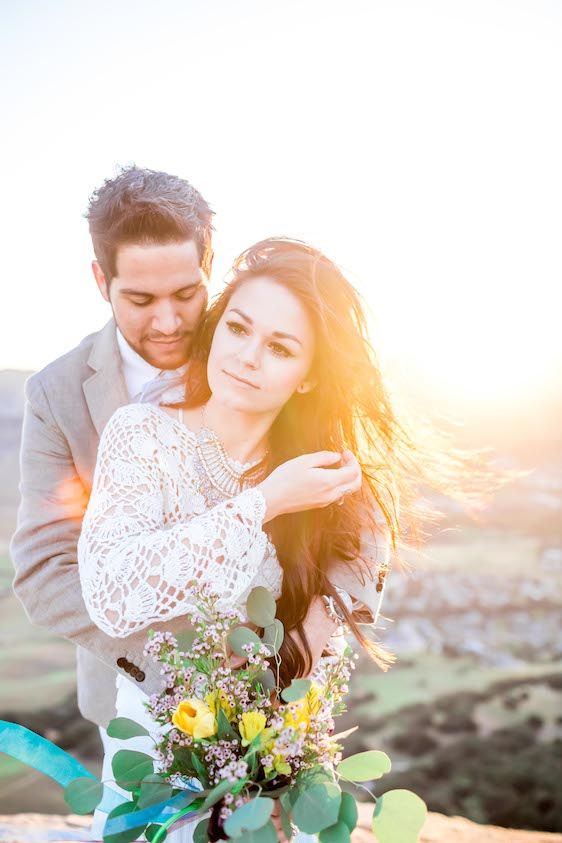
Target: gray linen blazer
67 406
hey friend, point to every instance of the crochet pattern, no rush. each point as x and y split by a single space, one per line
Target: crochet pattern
148 529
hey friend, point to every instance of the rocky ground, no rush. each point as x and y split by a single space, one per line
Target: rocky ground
41 828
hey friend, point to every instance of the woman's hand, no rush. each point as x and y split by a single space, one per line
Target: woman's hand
310 481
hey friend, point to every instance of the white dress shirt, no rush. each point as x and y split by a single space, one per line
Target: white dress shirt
136 371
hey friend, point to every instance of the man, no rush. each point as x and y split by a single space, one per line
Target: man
151 234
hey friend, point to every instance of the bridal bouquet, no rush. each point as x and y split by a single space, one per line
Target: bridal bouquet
231 741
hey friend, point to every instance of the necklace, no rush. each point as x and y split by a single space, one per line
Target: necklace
229 477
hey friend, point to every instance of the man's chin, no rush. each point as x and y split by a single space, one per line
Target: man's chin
162 357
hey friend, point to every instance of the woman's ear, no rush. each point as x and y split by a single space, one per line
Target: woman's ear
306 386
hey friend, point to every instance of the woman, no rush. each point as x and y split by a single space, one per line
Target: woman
282 385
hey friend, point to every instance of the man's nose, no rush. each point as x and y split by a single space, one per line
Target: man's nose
166 320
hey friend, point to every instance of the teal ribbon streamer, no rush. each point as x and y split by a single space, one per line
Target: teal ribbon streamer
30 748
37 752
26 746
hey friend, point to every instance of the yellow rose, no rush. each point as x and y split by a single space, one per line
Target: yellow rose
220 696
195 718
253 723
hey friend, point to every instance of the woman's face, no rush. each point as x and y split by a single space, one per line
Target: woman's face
262 349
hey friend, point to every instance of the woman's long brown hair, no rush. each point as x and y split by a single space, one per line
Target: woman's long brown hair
349 407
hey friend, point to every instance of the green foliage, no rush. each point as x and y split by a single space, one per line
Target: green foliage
348 811
122 728
217 793
399 817
265 834
266 679
185 640
241 636
200 769
249 817
317 807
296 690
201 832
273 635
338 833
130 767
364 766
225 730
153 789
83 795
123 836
261 606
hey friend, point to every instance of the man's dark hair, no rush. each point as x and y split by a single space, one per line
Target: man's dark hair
147 207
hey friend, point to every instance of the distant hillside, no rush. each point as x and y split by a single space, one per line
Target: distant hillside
11 394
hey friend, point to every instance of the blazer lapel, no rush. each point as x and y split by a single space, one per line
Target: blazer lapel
105 390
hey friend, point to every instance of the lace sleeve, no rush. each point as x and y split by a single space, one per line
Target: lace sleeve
134 568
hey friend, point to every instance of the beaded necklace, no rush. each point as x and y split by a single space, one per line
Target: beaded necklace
226 476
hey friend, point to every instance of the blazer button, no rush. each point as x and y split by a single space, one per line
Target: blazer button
122 663
134 671
140 676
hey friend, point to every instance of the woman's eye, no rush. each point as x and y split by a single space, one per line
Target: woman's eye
280 350
236 328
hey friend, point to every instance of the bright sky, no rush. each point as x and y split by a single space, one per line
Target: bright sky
418 143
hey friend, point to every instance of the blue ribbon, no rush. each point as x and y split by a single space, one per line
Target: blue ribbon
26 746
154 814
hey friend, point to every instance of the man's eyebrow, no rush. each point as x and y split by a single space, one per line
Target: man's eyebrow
130 292
278 334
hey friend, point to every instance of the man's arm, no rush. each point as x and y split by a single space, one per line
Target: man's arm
43 548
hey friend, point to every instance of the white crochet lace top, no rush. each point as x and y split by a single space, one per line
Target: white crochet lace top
153 523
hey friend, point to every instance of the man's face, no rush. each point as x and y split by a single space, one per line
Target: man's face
158 295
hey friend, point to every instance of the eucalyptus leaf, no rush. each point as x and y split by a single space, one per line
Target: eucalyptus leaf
217 793
317 807
399 817
241 636
185 640
123 836
273 635
265 834
296 690
153 790
338 833
130 767
266 679
348 811
83 794
261 606
249 817
364 766
201 832
123 728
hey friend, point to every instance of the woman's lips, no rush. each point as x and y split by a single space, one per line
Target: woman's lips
240 380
